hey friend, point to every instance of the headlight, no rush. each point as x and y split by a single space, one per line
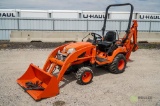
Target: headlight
71 50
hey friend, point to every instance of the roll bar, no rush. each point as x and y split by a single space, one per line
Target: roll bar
130 17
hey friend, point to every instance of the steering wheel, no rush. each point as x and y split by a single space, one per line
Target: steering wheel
97 37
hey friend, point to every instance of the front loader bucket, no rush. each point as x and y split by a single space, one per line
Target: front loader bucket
48 82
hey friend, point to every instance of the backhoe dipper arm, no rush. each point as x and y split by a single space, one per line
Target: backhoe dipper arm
131 43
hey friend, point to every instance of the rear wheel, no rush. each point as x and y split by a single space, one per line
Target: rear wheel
84 75
118 65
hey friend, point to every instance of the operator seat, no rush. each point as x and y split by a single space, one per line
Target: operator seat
109 39
110 36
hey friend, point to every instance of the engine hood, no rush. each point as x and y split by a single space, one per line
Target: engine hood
78 45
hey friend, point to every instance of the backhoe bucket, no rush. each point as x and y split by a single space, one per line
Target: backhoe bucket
38 83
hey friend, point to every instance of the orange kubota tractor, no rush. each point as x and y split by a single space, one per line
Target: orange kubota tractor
78 57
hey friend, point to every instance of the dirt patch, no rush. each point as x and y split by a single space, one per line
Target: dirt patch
24 45
59 103
47 45
149 45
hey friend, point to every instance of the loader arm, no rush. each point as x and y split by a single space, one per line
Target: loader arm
73 58
52 54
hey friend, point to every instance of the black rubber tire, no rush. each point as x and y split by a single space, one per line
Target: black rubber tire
113 67
81 73
71 69
68 71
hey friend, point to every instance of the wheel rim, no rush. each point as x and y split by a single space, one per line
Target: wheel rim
121 64
86 77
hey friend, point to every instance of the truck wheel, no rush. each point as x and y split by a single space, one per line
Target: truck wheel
118 65
84 75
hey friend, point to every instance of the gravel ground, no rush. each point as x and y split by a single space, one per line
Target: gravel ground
138 85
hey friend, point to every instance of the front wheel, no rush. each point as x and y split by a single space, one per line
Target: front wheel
118 65
84 75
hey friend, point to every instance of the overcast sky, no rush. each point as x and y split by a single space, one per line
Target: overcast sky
85 5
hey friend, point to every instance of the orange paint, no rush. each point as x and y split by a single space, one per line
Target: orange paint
84 52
